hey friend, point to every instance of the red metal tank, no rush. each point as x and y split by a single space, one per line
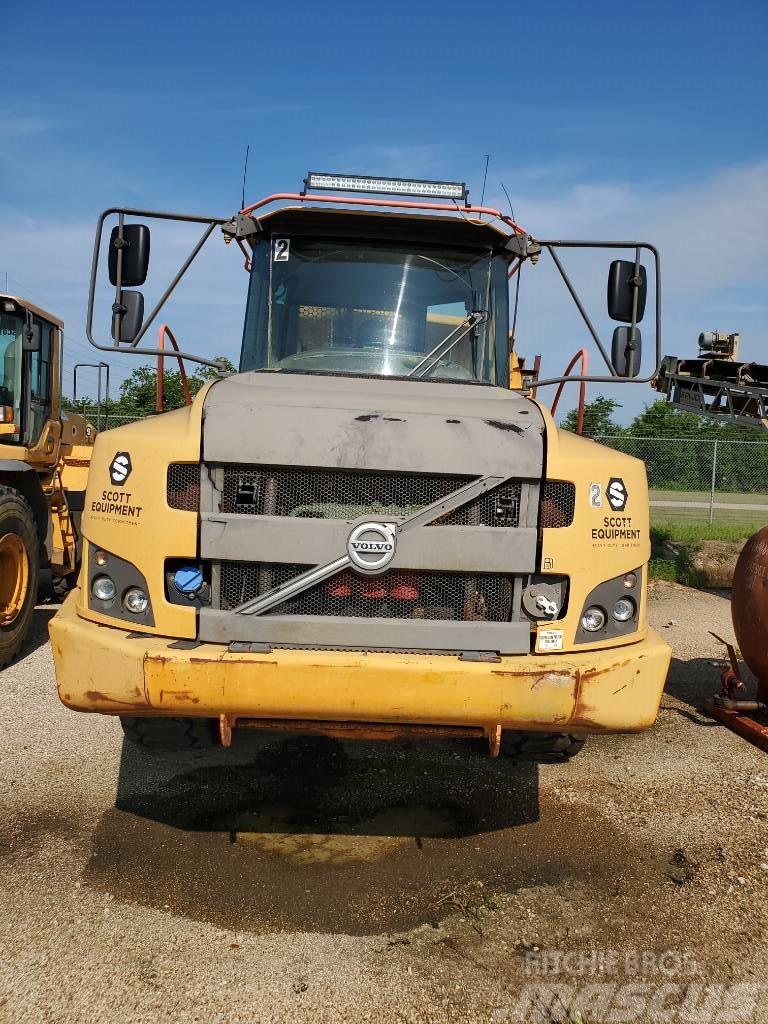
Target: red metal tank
749 607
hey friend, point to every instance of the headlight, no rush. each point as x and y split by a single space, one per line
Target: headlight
624 609
135 601
103 588
593 619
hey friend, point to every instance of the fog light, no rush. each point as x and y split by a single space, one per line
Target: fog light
624 609
630 580
100 558
103 587
135 601
593 619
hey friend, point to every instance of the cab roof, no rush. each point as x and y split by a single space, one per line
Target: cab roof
37 310
376 225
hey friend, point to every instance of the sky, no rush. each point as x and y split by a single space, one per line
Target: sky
602 120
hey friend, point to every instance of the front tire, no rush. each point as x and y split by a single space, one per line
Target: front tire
171 734
19 569
544 747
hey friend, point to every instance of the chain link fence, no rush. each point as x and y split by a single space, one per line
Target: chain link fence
102 420
702 480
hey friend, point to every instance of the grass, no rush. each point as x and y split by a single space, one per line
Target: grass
721 497
675 532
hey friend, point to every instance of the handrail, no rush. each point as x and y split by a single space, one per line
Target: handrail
401 204
584 356
162 330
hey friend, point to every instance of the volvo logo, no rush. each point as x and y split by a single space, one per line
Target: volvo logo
371 546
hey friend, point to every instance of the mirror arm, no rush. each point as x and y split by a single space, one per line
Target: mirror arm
155 215
636 283
657 265
118 309
180 273
583 311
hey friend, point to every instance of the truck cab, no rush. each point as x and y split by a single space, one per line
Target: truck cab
372 529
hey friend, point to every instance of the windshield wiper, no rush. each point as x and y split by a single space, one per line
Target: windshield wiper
479 316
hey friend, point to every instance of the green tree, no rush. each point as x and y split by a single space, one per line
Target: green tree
138 393
598 417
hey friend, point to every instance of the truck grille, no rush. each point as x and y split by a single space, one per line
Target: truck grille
397 594
349 494
558 503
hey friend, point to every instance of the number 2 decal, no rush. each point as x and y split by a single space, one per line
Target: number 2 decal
281 250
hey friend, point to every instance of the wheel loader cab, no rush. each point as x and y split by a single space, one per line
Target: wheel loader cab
28 358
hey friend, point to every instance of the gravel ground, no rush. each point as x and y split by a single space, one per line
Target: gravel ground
304 879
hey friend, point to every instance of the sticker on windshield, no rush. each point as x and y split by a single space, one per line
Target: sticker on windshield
281 250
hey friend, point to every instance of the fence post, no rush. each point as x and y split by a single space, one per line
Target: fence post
712 487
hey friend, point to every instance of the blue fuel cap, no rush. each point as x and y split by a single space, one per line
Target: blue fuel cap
188 580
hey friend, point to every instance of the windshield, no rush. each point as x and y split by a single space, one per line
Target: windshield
11 325
320 306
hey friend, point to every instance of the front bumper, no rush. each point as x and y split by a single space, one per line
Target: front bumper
109 670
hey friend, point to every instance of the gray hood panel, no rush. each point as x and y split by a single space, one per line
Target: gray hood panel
358 423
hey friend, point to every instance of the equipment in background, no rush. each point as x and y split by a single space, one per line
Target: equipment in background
45 454
716 385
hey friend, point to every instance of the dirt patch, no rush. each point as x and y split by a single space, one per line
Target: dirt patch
714 562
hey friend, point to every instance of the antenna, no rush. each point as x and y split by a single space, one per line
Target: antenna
511 208
245 171
485 177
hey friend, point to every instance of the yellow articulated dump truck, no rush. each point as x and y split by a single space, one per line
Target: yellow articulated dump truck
44 458
374 529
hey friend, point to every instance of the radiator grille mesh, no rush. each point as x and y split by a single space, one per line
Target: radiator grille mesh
183 489
397 594
558 502
349 494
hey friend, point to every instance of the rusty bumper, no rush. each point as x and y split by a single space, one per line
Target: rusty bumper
107 670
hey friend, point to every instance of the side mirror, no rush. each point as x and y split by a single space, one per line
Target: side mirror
135 249
31 338
132 318
626 351
622 286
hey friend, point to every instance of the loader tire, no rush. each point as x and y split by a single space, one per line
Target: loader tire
547 747
171 734
19 571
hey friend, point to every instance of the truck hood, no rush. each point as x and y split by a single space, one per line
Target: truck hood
307 420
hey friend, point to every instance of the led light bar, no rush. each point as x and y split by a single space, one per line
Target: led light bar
387 186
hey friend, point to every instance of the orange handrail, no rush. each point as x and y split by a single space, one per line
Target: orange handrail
399 204
584 356
162 330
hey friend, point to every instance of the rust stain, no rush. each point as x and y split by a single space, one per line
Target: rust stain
230 661
593 673
96 697
180 695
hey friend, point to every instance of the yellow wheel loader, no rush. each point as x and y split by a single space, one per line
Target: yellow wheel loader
44 458
375 528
